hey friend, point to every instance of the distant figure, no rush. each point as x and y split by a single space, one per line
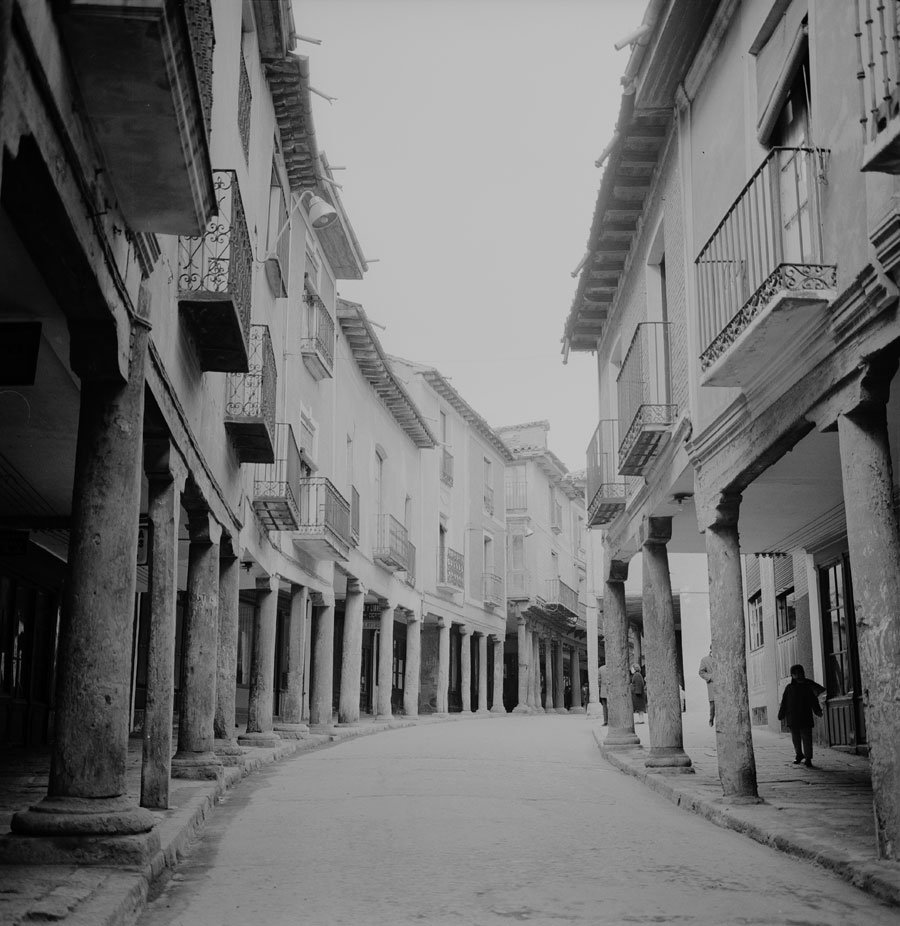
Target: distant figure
601 680
585 696
706 673
638 694
798 704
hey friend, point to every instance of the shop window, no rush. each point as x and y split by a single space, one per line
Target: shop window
785 613
755 608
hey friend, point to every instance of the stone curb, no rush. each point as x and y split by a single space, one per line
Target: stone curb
762 823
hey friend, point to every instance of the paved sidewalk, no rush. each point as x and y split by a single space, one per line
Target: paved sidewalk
823 814
105 896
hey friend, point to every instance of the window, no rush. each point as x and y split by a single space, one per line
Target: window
408 514
349 460
517 552
379 483
445 429
756 621
278 238
488 487
442 553
785 615
488 555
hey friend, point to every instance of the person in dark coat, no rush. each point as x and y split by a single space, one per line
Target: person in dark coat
638 694
798 704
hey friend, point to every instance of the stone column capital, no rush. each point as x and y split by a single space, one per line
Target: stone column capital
203 527
465 631
163 462
385 605
268 583
227 550
323 599
521 621
718 510
616 570
655 531
355 587
864 391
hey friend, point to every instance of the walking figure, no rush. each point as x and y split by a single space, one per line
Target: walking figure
706 673
638 694
798 704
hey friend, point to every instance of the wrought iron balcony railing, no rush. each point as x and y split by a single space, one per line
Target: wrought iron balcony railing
561 596
767 251
324 527
250 402
516 496
198 14
276 484
391 543
645 409
518 584
606 490
878 70
492 590
317 348
489 499
214 278
411 564
354 516
446 467
451 571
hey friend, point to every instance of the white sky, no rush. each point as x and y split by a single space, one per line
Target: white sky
469 129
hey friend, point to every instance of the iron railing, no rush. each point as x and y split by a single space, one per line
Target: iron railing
643 386
446 467
220 260
769 240
275 485
391 540
252 394
320 329
489 499
516 496
245 102
411 564
560 595
324 511
354 516
878 65
606 490
492 589
198 14
452 569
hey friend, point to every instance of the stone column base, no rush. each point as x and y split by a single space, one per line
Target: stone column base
621 739
521 709
135 851
482 711
329 729
291 731
669 758
198 766
465 713
228 752
595 709
259 740
560 710
83 816
498 709
384 718
576 710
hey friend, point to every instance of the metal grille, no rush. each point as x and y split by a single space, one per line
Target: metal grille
323 510
391 540
560 595
516 496
493 589
245 102
321 330
276 485
769 240
451 571
410 564
606 491
446 467
200 29
252 394
220 260
878 55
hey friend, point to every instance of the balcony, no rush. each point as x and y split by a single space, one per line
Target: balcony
145 75
492 590
317 349
561 598
516 497
518 584
645 409
764 283
276 484
391 543
214 277
411 565
606 492
489 499
250 402
446 467
354 516
878 70
323 530
451 572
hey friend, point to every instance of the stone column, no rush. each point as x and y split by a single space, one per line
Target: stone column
560 695
385 663
635 635
875 561
292 725
734 742
536 642
87 790
443 685
166 475
523 660
576 679
548 675
195 757
465 668
321 698
351 659
593 660
225 742
307 660
482 673
661 651
620 732
411 677
260 730
497 705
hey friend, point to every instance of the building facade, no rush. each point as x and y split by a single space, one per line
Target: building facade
740 293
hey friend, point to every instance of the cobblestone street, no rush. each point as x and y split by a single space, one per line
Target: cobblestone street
482 821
